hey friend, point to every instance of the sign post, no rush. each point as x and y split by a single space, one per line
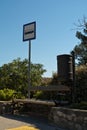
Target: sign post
29 33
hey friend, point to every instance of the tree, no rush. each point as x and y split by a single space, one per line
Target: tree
36 74
81 56
14 75
81 49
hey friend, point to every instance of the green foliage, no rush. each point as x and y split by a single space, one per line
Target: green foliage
6 94
45 95
14 76
36 74
81 49
81 83
54 80
81 57
81 105
18 95
39 95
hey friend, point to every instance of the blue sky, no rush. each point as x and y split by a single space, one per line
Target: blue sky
55 32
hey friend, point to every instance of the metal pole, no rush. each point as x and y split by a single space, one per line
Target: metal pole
29 70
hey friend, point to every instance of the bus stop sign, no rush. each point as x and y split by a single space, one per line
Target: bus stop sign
29 31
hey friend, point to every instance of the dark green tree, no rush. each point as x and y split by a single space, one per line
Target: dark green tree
81 48
81 57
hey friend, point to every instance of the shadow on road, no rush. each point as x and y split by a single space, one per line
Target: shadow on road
39 122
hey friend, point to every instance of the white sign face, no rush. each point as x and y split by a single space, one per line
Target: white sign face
29 31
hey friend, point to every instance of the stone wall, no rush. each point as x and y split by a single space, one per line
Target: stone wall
40 108
5 107
69 119
35 107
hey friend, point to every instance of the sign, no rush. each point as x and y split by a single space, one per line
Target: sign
29 31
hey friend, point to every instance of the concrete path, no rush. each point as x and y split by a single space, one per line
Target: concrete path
13 121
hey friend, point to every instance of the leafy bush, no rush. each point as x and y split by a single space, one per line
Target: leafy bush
44 95
39 95
6 94
81 105
18 95
81 83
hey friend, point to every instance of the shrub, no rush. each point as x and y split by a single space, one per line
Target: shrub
18 95
44 95
81 105
6 94
39 95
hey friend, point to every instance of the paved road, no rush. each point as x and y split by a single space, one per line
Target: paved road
13 121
